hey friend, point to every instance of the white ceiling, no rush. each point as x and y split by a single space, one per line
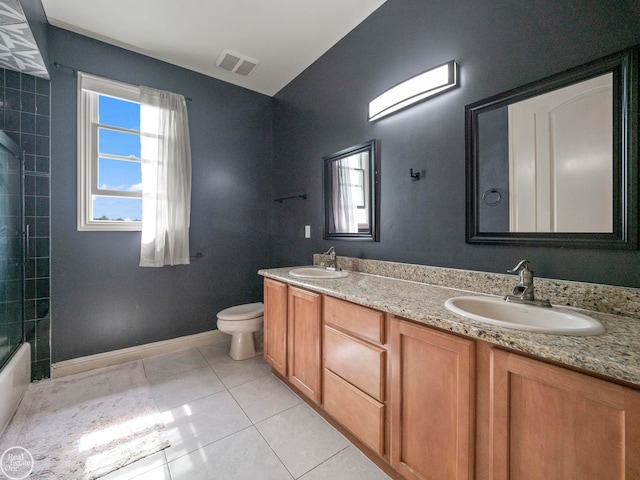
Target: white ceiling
285 36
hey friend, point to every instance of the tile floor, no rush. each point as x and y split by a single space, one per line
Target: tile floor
235 420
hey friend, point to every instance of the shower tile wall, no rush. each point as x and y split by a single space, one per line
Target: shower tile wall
25 117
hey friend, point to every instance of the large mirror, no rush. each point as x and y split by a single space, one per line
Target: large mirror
555 162
352 193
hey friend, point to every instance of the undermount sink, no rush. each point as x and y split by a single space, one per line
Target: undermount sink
496 311
317 273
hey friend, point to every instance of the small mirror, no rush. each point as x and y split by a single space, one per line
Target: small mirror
352 193
554 162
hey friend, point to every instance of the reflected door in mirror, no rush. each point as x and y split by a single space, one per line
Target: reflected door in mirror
561 160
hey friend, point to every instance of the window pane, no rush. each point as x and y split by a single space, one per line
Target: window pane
119 175
356 176
118 143
118 113
119 209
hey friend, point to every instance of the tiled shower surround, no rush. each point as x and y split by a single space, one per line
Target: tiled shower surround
25 117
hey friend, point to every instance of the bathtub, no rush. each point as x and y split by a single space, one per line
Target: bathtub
14 381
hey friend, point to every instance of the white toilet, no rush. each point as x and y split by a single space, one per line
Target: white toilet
241 322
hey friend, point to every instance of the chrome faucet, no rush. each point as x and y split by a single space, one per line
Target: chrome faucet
332 263
523 291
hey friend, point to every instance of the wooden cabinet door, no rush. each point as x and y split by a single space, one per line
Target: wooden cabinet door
550 423
432 403
275 325
304 334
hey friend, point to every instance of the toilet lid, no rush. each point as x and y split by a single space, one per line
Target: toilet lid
242 312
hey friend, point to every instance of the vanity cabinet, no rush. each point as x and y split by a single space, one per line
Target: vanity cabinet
275 325
355 363
429 404
292 335
432 403
304 327
551 423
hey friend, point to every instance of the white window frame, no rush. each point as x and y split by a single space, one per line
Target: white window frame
89 88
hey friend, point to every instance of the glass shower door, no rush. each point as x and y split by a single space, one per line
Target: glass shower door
11 250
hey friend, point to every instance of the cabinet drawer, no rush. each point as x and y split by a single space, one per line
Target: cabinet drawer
362 321
359 363
358 412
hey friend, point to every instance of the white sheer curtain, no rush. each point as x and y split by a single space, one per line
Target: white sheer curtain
166 178
344 218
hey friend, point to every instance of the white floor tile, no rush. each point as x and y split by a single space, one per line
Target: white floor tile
173 363
160 473
217 352
152 463
236 372
242 456
201 422
349 464
301 438
229 419
264 397
173 391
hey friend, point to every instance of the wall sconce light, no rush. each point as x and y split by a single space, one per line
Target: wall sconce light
415 89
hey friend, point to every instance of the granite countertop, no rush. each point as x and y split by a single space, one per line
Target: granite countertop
615 353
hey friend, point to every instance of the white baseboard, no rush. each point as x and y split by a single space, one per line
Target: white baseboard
115 357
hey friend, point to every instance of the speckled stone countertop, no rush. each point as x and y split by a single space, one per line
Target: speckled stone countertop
615 353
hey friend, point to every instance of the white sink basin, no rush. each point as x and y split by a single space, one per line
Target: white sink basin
496 311
317 273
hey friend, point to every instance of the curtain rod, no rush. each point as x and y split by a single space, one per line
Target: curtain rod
75 72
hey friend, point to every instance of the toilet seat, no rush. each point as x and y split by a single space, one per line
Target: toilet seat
242 312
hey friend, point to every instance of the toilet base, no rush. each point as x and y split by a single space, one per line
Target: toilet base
242 346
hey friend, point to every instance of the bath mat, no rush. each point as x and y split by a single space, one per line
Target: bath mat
87 425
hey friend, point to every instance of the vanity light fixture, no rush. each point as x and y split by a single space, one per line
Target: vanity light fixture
415 89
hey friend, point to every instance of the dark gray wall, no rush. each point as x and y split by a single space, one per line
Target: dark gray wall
499 44
101 299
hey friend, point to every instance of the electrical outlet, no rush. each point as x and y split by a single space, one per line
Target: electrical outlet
307 231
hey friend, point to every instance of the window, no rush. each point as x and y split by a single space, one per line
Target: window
354 170
134 144
109 155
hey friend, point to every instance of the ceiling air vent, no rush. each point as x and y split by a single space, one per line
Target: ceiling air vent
236 63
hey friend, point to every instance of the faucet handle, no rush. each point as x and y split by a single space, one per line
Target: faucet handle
522 266
331 251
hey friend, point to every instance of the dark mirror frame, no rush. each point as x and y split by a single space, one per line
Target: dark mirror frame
624 66
373 233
